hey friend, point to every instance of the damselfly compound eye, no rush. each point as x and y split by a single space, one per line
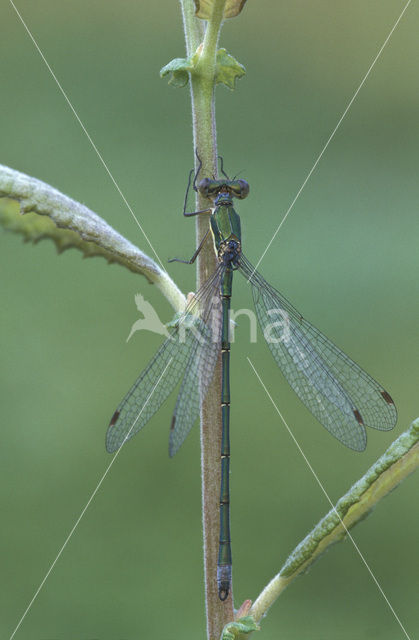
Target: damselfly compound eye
204 187
244 189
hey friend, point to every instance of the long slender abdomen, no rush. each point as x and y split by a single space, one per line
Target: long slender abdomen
224 550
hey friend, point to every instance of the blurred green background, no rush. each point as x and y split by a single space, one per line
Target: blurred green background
347 257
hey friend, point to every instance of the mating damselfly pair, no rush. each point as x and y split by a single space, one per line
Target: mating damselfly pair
343 397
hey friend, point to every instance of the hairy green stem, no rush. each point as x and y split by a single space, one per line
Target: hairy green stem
193 28
205 148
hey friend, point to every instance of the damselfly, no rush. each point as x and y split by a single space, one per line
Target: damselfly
343 397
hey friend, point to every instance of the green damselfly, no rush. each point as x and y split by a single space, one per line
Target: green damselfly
342 396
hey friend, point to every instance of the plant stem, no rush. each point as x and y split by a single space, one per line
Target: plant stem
205 144
193 28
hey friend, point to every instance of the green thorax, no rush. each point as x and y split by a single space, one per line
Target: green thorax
225 222
225 225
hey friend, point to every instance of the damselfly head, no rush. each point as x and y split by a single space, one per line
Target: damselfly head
240 188
211 189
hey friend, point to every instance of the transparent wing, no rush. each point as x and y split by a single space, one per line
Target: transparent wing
341 395
189 341
199 373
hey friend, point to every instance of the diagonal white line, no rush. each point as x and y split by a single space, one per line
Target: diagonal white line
329 500
332 135
87 134
87 506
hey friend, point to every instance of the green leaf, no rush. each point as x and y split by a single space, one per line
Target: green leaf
397 463
245 625
228 69
203 8
179 70
36 211
400 459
